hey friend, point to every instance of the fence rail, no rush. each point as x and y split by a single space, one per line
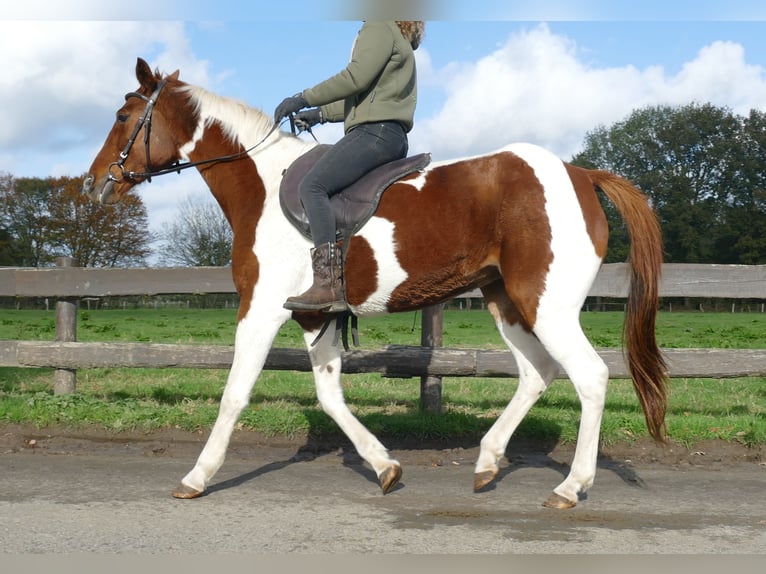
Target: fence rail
68 284
678 280
399 361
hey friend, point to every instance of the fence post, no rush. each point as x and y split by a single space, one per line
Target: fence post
431 336
65 380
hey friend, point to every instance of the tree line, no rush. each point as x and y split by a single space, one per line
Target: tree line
45 218
704 170
702 167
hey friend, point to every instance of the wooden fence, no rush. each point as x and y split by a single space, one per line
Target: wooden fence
68 284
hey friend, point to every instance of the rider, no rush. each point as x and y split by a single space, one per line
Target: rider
375 97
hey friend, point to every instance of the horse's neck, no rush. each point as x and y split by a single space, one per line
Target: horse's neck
242 186
272 159
226 127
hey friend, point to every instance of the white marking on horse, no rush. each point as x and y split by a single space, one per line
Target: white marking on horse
418 182
379 233
573 251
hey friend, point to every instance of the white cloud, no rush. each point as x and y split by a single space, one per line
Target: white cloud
721 75
536 87
59 80
92 9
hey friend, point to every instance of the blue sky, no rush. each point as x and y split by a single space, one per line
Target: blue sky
490 72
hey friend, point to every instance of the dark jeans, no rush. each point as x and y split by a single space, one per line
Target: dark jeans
357 153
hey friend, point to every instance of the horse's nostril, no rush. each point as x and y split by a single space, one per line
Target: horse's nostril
87 183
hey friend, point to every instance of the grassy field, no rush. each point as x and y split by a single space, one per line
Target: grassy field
467 329
284 403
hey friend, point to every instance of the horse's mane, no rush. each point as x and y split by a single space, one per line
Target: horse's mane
239 122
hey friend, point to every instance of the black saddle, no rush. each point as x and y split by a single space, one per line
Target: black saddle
354 205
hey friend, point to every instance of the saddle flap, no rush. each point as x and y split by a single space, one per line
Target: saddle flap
354 205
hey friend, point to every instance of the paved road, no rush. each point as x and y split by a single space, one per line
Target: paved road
91 497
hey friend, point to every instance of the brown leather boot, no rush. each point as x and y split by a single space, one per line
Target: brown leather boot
326 293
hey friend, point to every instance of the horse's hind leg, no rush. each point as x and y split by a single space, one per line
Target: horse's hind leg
558 340
326 364
536 371
563 338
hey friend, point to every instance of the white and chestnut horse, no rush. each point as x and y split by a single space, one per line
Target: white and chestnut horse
520 224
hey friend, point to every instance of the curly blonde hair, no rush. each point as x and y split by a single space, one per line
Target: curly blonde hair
412 30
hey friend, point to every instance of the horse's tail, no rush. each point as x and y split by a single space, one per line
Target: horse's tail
645 362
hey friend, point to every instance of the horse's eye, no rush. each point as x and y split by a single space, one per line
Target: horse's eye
122 118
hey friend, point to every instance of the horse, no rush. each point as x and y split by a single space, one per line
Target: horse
520 224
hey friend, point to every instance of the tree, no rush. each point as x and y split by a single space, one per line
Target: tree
199 236
10 252
47 218
696 163
96 235
24 214
744 225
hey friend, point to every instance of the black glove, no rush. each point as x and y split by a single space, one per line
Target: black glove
307 118
289 106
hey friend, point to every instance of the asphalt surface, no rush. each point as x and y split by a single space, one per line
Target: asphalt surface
64 496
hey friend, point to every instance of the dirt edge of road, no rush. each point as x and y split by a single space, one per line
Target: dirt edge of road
178 443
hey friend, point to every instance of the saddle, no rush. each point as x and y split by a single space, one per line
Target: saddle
353 206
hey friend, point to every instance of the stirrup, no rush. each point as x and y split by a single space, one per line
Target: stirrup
331 307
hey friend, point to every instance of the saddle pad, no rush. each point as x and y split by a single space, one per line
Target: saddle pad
354 205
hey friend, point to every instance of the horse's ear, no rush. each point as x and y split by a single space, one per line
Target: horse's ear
174 75
145 76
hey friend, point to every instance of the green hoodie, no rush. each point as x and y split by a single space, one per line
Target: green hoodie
379 83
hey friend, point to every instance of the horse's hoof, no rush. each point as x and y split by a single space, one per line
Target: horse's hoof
389 478
186 492
482 480
559 502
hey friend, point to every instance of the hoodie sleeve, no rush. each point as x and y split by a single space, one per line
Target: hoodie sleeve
334 111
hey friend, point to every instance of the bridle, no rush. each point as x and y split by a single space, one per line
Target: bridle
145 121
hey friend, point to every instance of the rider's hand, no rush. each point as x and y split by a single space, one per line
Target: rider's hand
289 106
307 118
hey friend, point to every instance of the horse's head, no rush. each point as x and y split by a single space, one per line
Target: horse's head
145 137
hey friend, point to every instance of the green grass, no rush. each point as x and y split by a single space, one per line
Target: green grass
284 403
468 329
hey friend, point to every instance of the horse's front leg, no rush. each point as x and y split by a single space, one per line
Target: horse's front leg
326 364
252 343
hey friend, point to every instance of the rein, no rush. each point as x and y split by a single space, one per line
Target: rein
145 120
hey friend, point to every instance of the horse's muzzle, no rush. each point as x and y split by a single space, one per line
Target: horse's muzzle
87 185
98 193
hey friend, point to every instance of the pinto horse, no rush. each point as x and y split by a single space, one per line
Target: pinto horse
519 224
